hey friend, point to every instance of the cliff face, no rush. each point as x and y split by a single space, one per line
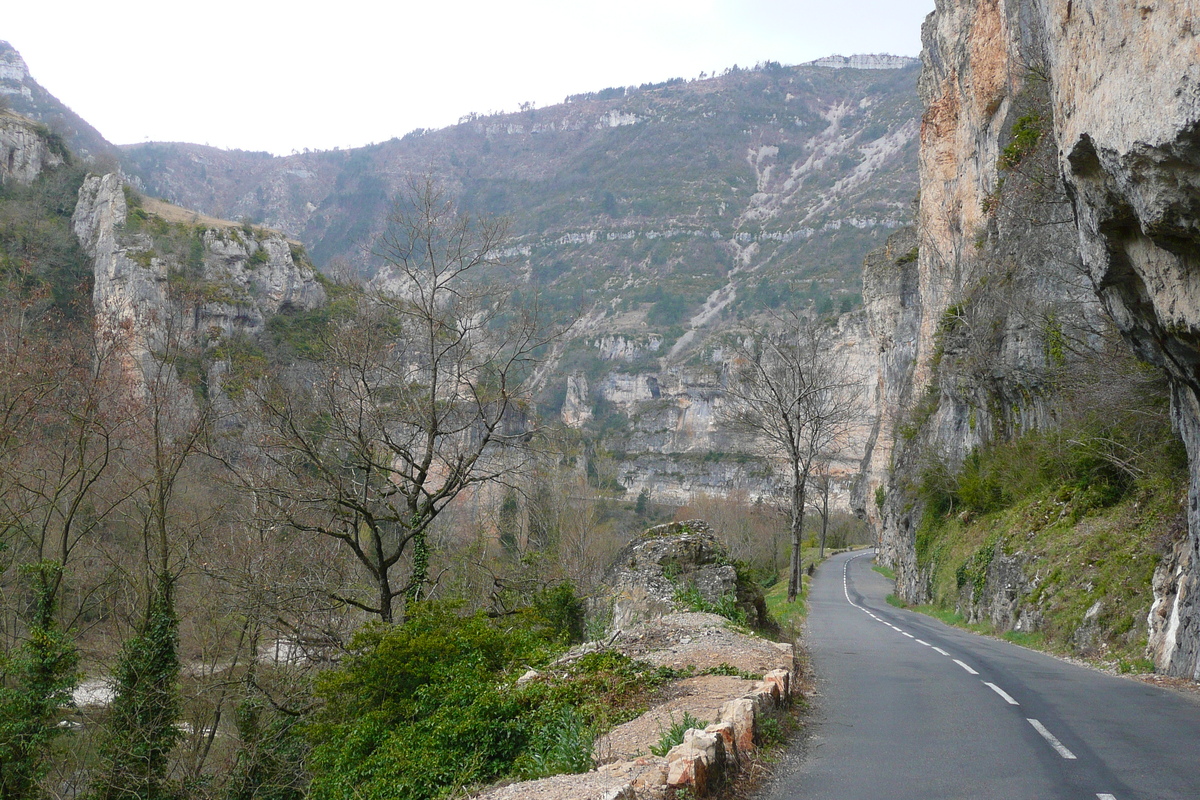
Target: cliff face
26 150
666 421
26 96
1058 165
1126 95
161 283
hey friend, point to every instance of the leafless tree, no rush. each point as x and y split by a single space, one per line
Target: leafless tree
792 391
416 395
823 483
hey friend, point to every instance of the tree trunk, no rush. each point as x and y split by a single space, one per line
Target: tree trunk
385 597
824 520
795 572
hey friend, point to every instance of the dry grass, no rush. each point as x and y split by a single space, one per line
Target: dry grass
176 214
179 215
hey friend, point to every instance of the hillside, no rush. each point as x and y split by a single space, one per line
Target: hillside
665 214
21 93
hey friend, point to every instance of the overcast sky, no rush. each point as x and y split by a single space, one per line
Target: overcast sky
282 76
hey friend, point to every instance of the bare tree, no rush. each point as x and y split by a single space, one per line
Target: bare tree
823 483
794 393
415 396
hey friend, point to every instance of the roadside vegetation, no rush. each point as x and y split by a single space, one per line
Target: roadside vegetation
1079 517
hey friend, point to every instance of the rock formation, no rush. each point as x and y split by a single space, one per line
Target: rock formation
659 570
26 149
196 283
1059 154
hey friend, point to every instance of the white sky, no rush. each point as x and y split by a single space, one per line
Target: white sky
278 76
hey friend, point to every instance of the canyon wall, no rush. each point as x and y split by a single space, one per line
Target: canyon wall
1059 184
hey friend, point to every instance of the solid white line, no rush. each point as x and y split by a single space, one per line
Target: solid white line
940 650
966 667
921 641
1049 737
1002 693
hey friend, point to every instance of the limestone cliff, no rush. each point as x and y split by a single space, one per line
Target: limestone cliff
1058 165
27 149
20 93
162 279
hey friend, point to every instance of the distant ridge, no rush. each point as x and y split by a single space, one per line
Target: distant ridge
864 61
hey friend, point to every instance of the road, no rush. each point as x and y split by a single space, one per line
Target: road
910 708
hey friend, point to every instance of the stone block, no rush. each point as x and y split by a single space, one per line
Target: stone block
725 730
741 715
782 679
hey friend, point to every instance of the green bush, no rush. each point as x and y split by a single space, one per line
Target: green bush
425 707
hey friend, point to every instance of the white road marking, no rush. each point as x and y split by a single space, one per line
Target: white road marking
1049 737
1007 697
922 641
967 667
909 635
1106 797
940 650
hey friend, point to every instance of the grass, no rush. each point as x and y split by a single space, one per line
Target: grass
884 571
790 616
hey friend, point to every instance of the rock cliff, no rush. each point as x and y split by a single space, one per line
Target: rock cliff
164 277
27 149
1058 167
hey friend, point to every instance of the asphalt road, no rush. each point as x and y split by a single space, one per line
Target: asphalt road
910 708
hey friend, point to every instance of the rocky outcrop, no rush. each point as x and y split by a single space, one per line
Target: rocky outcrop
1125 87
1059 154
26 149
161 283
653 573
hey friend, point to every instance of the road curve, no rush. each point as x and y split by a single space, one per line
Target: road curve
907 707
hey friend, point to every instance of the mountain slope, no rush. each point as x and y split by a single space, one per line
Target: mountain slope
666 215
21 93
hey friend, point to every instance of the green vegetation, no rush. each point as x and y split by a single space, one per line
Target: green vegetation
1092 527
884 571
673 735
430 705
1026 133
790 616
38 248
141 729
39 676
726 606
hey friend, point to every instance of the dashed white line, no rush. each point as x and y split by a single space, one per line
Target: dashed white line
1058 746
1049 737
1106 797
1007 697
